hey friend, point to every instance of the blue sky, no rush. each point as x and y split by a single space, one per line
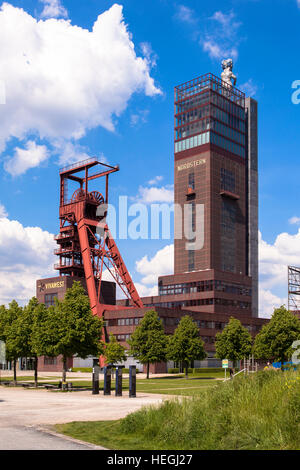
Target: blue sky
173 42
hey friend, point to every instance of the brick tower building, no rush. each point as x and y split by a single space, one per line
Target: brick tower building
216 203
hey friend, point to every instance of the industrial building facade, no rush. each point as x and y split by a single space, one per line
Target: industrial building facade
216 222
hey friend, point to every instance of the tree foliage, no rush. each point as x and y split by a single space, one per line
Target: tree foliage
274 341
235 341
10 334
186 345
73 328
114 351
148 342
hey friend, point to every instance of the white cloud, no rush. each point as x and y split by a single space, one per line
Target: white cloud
53 9
70 152
249 88
155 180
24 159
274 259
221 39
62 80
268 301
155 194
139 117
294 220
149 54
3 212
26 254
162 263
185 14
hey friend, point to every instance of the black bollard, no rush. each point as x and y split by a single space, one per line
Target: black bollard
107 380
118 391
132 381
96 370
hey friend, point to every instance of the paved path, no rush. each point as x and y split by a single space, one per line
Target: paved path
25 415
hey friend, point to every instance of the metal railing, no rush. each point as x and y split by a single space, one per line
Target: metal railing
78 164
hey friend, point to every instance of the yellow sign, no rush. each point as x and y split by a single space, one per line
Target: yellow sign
186 166
55 285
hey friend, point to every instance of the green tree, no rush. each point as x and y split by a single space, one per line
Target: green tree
148 342
186 345
274 341
114 351
235 341
24 334
72 328
9 333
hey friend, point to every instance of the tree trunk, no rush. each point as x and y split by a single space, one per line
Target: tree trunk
36 372
64 375
15 371
186 370
148 369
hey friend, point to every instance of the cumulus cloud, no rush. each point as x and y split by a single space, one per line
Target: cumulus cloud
268 301
155 194
62 80
53 9
26 254
274 259
24 158
162 263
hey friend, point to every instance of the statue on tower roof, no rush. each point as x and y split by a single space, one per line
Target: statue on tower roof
227 75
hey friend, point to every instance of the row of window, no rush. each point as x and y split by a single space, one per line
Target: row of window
128 321
203 286
227 105
192 142
199 126
227 144
192 115
197 302
227 118
228 132
123 337
193 102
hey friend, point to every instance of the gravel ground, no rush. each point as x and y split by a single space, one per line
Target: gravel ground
26 416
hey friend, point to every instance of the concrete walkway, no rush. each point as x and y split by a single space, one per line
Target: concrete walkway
26 416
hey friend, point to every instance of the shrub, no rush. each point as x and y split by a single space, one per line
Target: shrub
173 370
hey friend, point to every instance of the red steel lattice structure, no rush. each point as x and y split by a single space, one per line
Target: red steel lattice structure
85 241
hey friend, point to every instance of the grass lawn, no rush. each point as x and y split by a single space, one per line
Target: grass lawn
256 412
108 435
169 385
